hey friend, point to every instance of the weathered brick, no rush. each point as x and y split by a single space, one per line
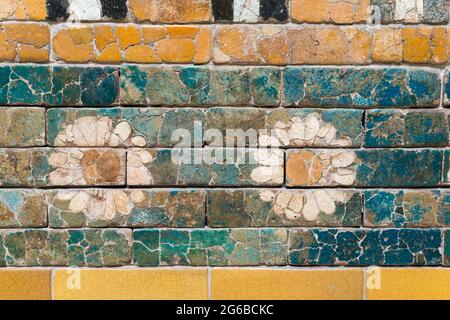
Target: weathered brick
205 167
446 99
42 167
330 11
86 10
24 42
203 247
171 11
127 208
22 208
119 127
70 247
329 45
254 45
285 127
446 248
179 86
58 85
22 127
365 168
387 45
425 45
446 172
275 208
131 43
23 10
398 128
411 11
406 208
250 11
365 247
386 87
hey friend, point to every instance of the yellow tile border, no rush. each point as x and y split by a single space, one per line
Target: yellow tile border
130 284
288 284
200 283
407 283
25 284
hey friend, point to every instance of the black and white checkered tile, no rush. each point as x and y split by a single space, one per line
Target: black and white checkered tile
249 10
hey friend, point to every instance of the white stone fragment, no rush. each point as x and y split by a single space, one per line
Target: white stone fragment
123 130
79 202
267 195
408 10
343 159
311 209
246 10
325 202
85 10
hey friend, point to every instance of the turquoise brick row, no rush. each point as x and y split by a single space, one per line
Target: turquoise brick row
234 86
224 247
223 208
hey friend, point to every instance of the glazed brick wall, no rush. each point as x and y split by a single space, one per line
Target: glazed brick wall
91 92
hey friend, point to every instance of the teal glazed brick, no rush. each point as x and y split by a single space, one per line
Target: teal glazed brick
397 128
265 86
143 127
397 167
198 86
70 247
245 121
22 208
361 87
363 247
278 208
364 168
22 127
446 89
446 172
210 247
100 208
24 167
446 247
406 208
205 167
58 85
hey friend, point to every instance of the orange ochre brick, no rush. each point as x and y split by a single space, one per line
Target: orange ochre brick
171 11
25 284
131 43
24 42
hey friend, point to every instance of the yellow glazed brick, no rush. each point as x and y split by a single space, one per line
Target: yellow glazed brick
25 284
331 45
241 284
407 284
135 284
24 42
336 11
425 45
171 11
247 44
131 43
387 45
23 10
